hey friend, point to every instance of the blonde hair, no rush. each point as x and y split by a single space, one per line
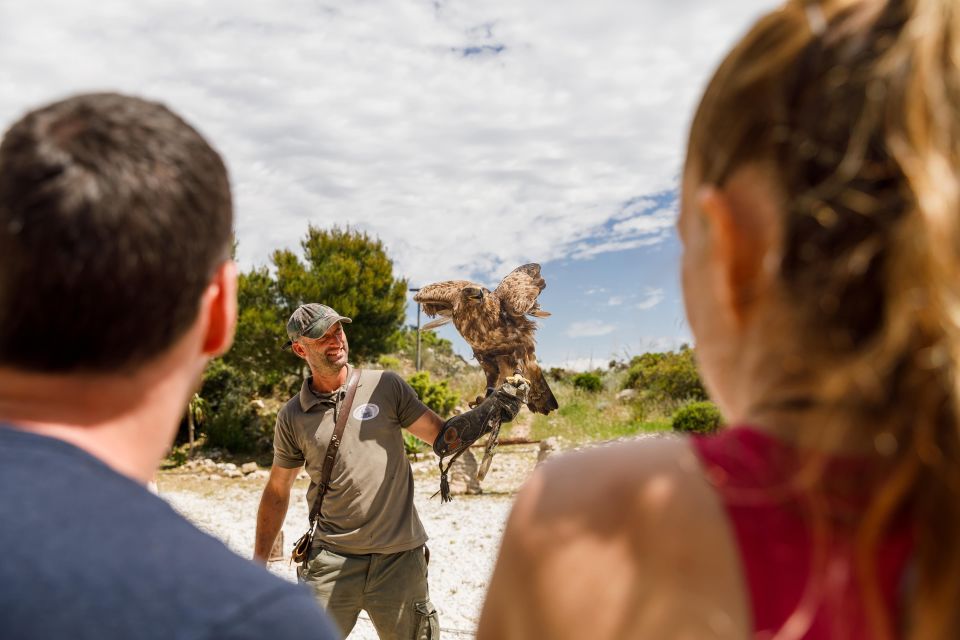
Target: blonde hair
855 108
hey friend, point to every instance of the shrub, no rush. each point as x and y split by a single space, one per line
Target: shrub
412 445
588 381
233 421
389 362
436 395
670 375
697 417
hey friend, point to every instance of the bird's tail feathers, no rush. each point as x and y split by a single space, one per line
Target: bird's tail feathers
540 397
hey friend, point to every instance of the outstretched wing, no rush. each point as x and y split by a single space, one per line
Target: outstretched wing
438 298
519 290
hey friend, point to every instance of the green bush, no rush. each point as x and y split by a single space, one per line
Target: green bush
697 417
389 362
588 381
436 395
557 374
233 422
412 445
671 375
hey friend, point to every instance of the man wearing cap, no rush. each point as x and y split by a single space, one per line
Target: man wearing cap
368 551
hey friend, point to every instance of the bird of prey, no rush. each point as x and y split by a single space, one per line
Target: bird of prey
496 325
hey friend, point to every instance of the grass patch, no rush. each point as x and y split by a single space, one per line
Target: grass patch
584 416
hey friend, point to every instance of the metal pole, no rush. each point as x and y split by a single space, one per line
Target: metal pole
418 329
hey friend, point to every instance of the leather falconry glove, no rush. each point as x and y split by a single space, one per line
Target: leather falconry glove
459 432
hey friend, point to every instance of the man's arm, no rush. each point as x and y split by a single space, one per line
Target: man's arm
427 427
273 509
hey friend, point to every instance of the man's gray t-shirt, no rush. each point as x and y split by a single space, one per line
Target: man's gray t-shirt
368 507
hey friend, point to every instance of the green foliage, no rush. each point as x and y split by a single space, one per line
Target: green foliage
405 341
350 272
261 332
697 417
233 421
585 417
412 445
177 457
588 381
197 409
557 374
670 375
436 395
389 362
344 269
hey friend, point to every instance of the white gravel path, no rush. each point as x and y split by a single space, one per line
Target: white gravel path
226 508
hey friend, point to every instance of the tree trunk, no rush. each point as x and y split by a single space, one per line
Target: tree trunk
190 429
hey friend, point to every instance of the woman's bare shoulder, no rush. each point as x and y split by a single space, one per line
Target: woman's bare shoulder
614 541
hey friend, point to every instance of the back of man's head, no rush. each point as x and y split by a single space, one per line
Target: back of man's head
114 216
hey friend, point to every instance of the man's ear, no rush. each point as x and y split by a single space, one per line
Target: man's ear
298 349
221 301
739 242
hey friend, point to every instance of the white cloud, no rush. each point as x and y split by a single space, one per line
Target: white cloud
616 301
589 251
596 290
470 137
651 344
589 329
651 298
579 364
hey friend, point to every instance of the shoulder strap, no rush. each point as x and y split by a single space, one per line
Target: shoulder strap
334 444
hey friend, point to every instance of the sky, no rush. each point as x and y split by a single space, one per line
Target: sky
470 136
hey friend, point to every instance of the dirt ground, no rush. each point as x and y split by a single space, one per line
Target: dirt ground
226 508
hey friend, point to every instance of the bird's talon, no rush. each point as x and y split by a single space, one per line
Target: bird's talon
518 380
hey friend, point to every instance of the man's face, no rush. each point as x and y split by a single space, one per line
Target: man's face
326 354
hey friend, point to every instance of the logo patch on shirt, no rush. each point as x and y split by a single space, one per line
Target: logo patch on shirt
366 412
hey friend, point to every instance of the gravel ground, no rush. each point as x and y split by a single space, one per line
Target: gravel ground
226 508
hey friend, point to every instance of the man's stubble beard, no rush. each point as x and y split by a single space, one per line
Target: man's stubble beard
326 366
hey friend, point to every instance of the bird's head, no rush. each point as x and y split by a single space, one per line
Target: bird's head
472 294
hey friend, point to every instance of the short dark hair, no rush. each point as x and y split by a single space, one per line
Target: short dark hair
114 216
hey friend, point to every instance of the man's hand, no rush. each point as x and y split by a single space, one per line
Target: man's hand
503 405
511 395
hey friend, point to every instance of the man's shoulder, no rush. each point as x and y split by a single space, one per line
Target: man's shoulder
378 376
112 537
386 377
291 407
293 404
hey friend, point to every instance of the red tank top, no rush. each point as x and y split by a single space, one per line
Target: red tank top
800 568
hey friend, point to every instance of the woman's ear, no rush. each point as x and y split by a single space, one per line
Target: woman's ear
220 303
739 216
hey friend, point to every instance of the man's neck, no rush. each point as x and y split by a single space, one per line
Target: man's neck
127 421
327 381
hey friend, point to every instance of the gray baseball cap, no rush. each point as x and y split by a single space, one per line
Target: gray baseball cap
311 320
